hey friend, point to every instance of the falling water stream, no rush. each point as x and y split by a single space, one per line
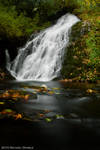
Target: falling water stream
41 58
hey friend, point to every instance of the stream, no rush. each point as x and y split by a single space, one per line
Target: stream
64 117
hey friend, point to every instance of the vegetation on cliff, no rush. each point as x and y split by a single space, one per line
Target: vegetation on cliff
82 59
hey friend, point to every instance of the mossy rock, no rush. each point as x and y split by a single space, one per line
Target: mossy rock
76 55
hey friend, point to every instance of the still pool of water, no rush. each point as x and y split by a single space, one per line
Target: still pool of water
69 116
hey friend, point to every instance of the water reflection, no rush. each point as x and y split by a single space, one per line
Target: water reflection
43 102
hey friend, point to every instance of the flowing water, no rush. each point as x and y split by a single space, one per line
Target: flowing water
41 58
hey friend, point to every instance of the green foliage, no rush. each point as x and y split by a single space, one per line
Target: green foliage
48 8
14 25
93 48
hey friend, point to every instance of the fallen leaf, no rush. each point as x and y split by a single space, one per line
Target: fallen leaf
26 97
41 115
15 95
48 119
1 103
55 88
18 116
90 91
50 92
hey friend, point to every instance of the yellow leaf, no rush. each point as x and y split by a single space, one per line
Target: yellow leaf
90 91
1 103
55 88
50 92
15 95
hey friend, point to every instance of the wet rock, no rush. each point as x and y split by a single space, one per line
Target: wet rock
51 114
44 87
73 115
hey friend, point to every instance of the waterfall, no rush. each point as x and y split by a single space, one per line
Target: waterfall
41 58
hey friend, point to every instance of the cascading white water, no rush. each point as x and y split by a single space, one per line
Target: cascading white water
41 58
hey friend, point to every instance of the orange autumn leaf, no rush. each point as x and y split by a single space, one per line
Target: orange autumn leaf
41 115
15 95
6 94
26 97
18 116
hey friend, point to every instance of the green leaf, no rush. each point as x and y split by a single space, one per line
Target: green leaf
48 119
8 110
